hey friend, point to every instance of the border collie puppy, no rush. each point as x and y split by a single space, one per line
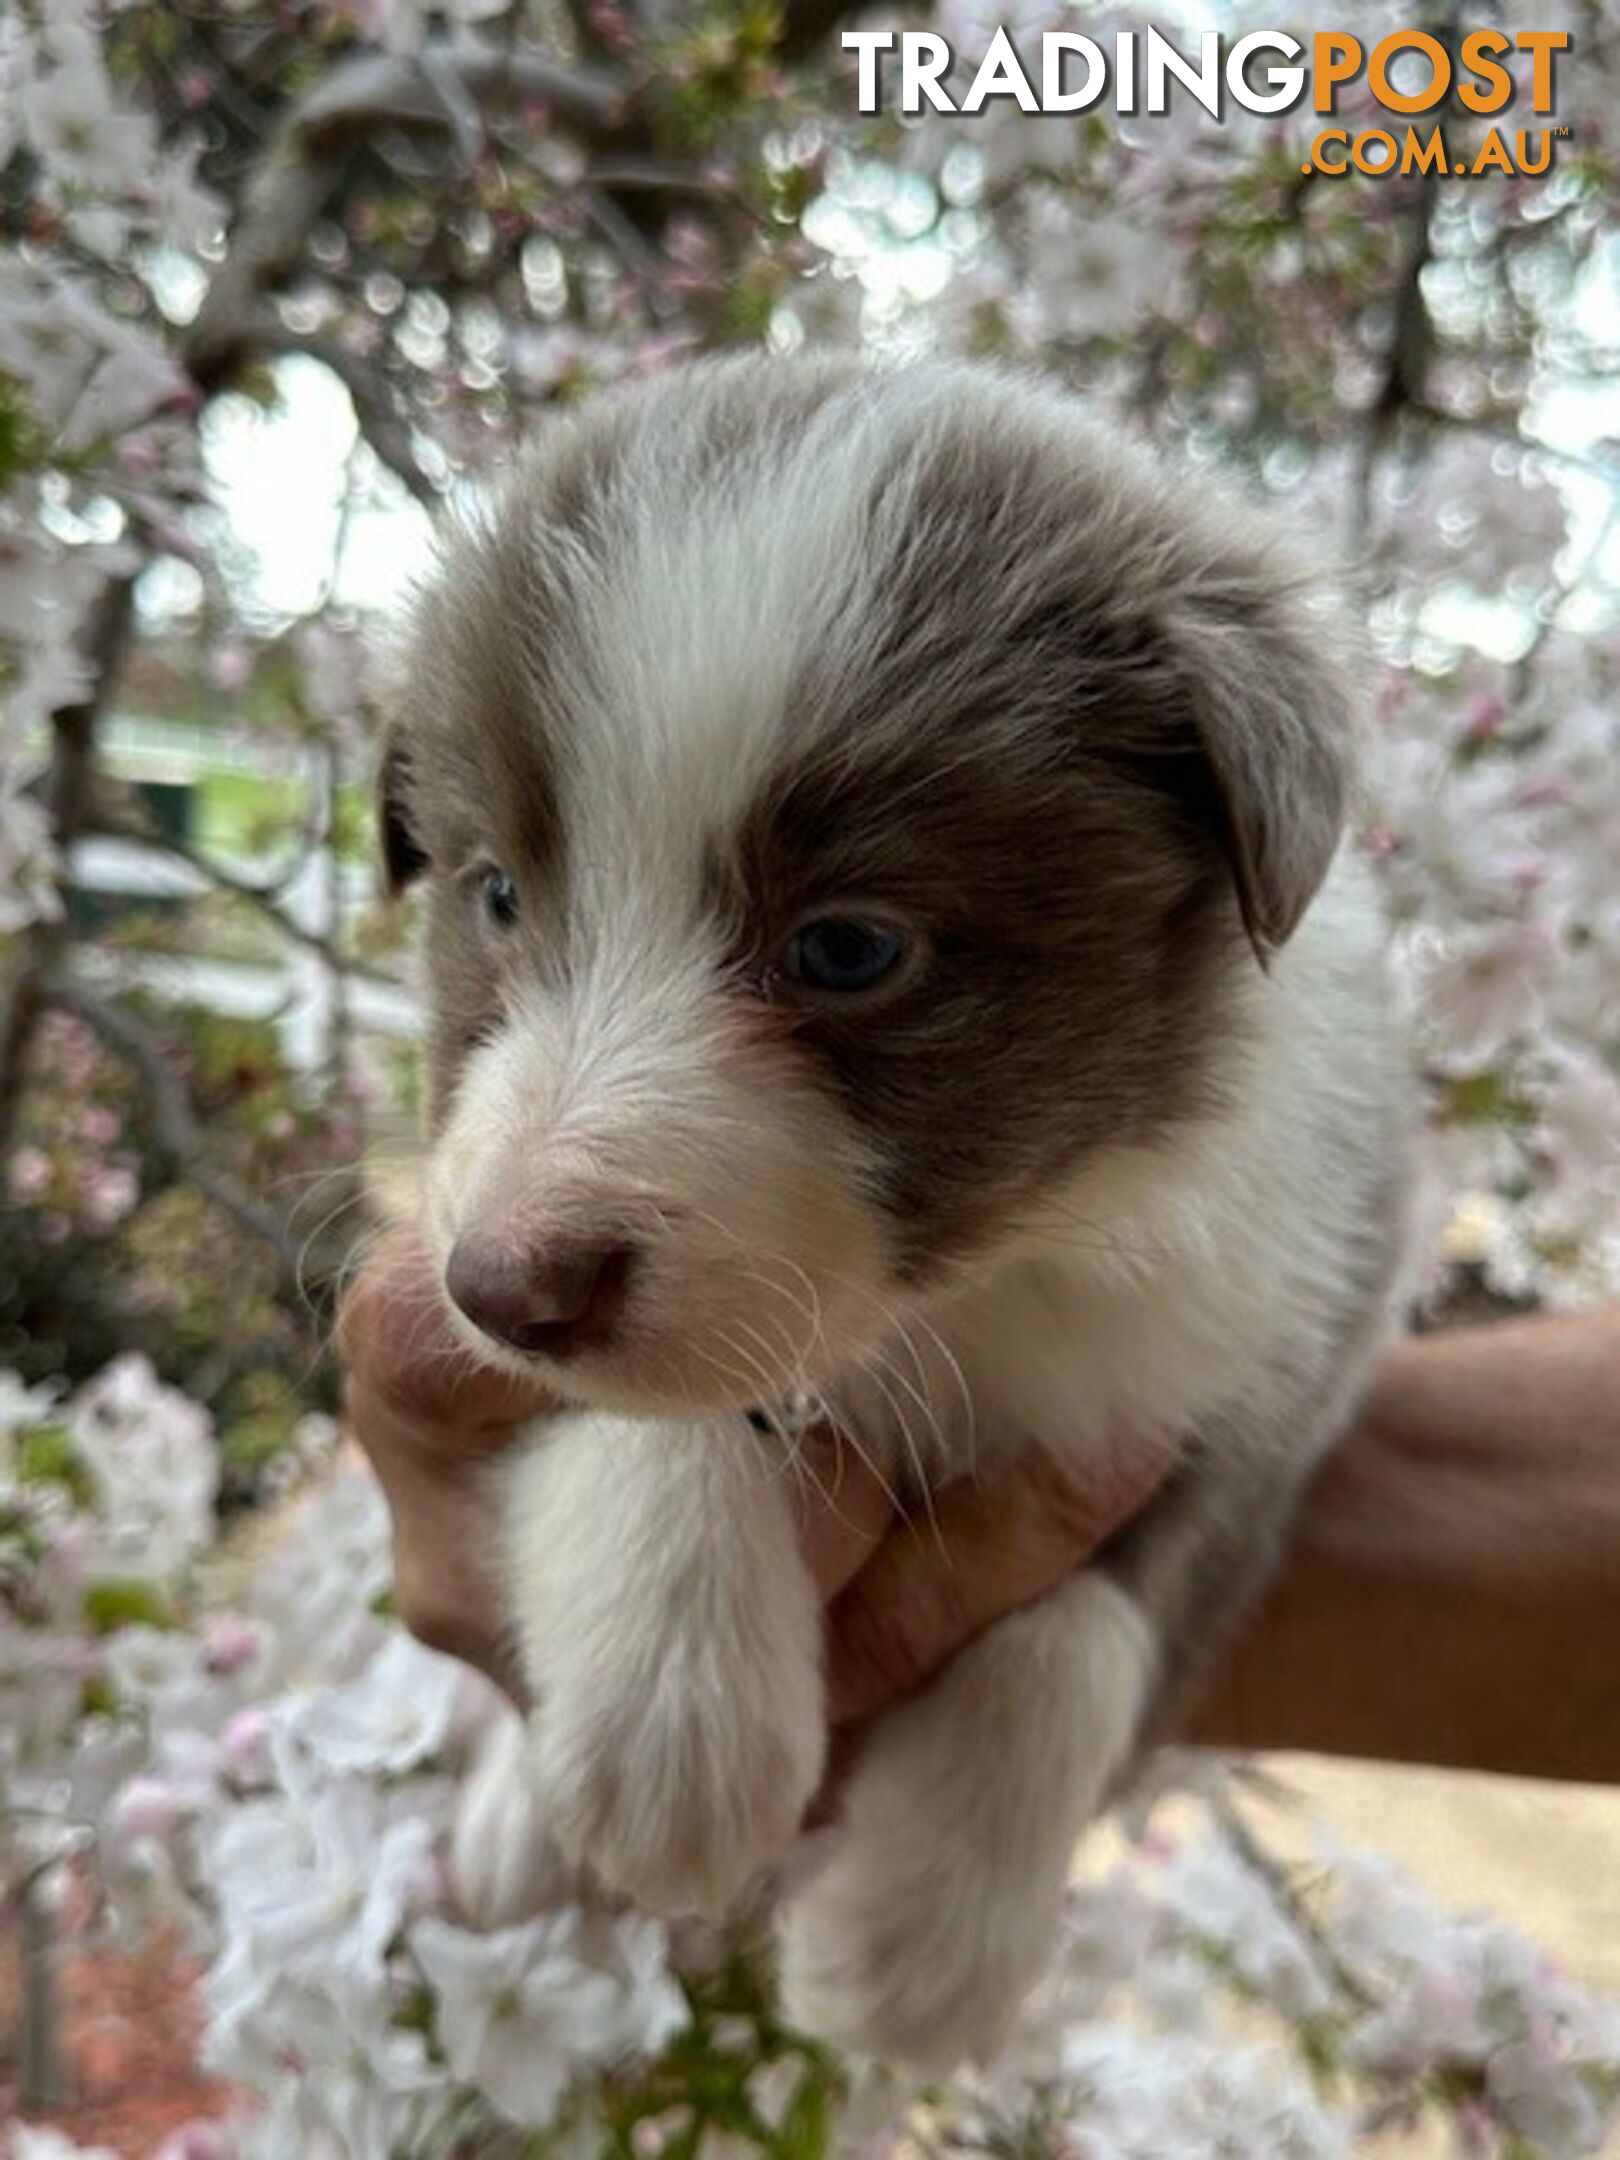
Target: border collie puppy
891 960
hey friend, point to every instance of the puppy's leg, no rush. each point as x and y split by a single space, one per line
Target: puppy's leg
502 1863
939 1904
671 1633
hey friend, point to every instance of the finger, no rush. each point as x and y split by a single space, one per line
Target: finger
985 1550
845 1512
405 1360
443 1530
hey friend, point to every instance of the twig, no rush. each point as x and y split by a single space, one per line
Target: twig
261 898
69 789
408 91
624 173
39 2076
178 1143
638 253
303 163
1276 1879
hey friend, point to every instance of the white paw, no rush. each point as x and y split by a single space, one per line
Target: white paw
672 1636
937 1909
916 1946
503 1863
677 1788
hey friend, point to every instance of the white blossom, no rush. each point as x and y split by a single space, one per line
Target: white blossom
338 2068
82 135
321 1885
152 1455
38 2141
1484 986
396 1712
521 2011
1209 1891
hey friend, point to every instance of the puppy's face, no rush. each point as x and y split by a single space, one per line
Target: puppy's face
845 803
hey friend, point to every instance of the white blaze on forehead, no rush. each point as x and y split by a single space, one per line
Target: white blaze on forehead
707 592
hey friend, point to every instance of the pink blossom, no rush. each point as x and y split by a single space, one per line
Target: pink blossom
198 2141
29 1176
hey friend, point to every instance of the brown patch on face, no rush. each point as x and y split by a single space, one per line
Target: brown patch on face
1008 753
403 860
1080 940
1071 722
732 421
493 661
469 782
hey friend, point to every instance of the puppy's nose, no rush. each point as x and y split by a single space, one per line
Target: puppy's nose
549 1302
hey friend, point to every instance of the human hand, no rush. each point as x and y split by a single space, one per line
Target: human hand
901 1597
1466 1534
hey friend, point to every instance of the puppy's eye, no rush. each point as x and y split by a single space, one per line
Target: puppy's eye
499 896
842 954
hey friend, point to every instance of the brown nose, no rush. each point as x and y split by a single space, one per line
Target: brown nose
549 1302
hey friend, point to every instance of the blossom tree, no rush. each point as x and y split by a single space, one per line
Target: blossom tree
310 1798
452 217
461 215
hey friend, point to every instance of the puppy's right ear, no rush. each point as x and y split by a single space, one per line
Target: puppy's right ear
403 857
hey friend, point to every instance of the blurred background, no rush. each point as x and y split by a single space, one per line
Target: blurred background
282 283
282 280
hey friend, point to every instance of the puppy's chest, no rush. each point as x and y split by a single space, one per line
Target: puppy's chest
1076 1369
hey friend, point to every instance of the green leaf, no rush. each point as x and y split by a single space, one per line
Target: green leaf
807 2128
125 1602
98 1698
46 1457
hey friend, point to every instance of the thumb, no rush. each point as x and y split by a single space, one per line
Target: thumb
982 1552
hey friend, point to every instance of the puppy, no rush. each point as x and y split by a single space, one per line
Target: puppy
889 950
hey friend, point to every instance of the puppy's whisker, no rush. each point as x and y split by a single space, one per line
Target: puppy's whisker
734 1238
798 1353
774 1381
349 1204
953 1366
882 1368
846 1431
747 1370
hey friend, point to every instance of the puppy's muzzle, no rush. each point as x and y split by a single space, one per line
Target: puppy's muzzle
550 1300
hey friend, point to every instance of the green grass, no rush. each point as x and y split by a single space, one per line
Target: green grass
245 814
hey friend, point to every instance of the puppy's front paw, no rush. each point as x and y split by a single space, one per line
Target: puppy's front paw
911 1946
675 1786
504 1866
672 1635
938 1906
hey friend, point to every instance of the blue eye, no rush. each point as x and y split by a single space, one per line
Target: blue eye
840 954
500 898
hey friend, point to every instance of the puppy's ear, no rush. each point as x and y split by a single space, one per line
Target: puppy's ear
403 857
1263 681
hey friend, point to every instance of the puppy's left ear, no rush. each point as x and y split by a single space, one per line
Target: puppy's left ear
1263 680
404 859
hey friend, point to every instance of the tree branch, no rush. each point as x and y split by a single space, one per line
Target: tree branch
809 23
69 788
1406 367
406 91
179 1146
303 163
261 898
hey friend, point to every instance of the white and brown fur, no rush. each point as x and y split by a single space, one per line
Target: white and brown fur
1118 1154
